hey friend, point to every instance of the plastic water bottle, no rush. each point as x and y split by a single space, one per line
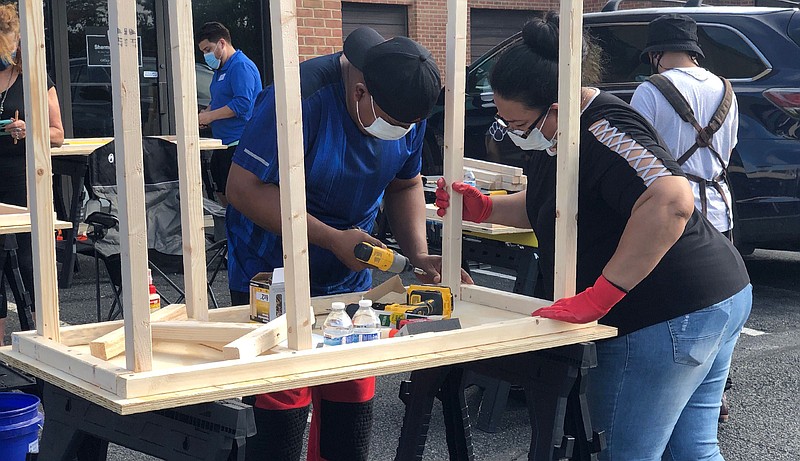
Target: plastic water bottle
366 324
338 328
469 178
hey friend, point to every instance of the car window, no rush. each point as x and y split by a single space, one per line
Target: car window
478 82
727 53
622 44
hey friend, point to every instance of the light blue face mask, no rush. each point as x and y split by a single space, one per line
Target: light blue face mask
211 59
6 64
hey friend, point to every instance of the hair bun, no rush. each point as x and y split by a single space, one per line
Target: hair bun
540 35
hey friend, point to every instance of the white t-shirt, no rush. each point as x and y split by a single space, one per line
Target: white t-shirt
703 91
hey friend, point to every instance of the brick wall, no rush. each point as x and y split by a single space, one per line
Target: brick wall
320 21
319 27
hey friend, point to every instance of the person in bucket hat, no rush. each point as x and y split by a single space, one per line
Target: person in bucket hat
673 51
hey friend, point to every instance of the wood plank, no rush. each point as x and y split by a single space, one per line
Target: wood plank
229 314
189 178
570 45
195 331
122 36
455 89
314 360
397 364
113 343
502 299
95 372
40 170
85 146
491 166
484 228
77 335
258 341
291 166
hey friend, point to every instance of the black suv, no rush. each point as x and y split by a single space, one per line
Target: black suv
757 49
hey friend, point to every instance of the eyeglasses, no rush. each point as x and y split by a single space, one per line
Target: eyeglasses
504 126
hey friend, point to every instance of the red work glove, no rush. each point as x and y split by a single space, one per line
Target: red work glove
477 207
587 306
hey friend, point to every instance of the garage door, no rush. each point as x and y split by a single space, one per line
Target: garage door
388 20
490 27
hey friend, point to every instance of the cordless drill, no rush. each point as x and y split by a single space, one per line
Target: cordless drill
384 259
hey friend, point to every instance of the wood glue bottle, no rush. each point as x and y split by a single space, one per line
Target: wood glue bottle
155 298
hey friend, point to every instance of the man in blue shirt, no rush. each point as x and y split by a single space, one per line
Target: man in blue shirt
234 88
363 115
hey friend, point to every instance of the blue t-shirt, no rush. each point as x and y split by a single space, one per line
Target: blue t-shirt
236 85
346 174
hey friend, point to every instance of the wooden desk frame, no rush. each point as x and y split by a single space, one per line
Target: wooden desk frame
187 354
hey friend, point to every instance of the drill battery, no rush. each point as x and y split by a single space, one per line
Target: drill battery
390 314
440 298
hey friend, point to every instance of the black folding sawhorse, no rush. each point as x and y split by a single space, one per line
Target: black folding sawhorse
75 427
8 255
554 381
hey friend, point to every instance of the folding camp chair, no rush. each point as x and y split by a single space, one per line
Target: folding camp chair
162 205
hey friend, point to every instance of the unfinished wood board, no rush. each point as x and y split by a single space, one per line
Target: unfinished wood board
122 36
294 229
39 167
258 341
387 362
570 46
507 170
16 219
455 89
85 146
483 228
112 343
191 186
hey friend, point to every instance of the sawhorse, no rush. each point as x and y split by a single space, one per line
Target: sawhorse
554 382
209 431
8 256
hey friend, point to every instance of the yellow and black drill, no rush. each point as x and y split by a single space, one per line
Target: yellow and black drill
384 259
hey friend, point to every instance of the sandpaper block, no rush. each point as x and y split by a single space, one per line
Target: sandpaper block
416 328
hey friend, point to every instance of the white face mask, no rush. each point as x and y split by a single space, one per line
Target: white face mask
535 139
382 129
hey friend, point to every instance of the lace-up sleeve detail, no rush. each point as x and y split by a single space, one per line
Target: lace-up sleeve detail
646 164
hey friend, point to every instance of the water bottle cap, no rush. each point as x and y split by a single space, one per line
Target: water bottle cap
337 306
365 303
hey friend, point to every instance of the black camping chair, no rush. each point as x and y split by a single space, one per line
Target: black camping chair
162 205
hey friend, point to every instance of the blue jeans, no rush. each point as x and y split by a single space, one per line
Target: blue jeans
656 392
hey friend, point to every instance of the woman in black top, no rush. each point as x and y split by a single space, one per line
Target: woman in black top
648 263
12 141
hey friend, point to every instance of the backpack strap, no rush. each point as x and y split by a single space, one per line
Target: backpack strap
681 106
704 135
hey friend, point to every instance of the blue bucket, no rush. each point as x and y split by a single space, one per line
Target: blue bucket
19 425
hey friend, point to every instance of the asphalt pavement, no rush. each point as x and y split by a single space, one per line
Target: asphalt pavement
765 371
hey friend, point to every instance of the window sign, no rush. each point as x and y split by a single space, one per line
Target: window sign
98 51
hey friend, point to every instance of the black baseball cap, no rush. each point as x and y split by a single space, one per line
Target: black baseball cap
400 74
671 32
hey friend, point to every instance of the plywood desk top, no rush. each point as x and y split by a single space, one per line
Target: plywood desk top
16 219
85 146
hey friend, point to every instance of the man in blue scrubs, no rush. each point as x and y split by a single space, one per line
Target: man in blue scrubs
363 114
234 88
